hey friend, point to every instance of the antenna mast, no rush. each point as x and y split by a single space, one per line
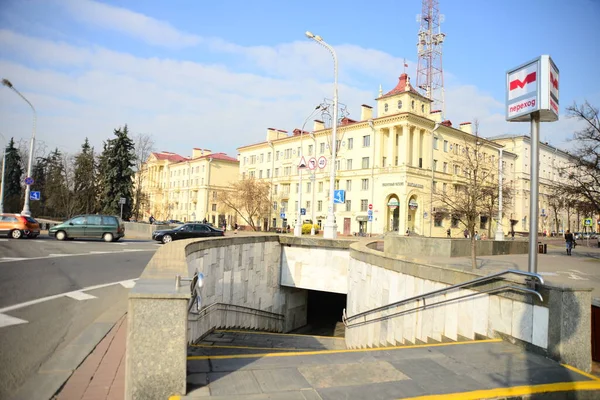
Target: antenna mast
430 74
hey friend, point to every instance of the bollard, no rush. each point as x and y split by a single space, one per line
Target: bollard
545 248
540 248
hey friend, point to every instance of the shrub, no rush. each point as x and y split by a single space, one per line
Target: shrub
306 229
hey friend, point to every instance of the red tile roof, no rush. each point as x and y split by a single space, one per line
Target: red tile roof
219 156
166 155
401 86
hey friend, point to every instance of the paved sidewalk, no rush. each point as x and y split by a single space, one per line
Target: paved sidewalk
102 375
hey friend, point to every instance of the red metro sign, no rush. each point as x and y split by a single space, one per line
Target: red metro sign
532 87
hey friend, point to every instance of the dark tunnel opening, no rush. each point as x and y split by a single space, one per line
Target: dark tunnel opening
324 314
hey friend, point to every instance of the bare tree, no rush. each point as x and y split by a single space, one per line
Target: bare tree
249 199
491 194
144 146
466 201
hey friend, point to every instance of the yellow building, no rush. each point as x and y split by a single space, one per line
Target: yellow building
384 161
186 188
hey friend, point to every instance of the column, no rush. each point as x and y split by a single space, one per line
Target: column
391 143
415 146
403 149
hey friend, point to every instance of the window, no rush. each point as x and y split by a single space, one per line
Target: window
285 188
310 149
275 187
337 184
269 156
348 185
262 157
94 220
350 143
365 162
483 222
444 187
78 221
422 107
349 164
364 205
308 204
251 174
399 104
364 184
268 173
435 143
338 164
367 141
438 219
455 221
287 171
456 170
320 187
383 159
276 156
445 146
348 205
412 104
276 172
445 167
385 107
321 148
214 207
296 205
320 205
434 187
260 174
297 187
288 154
435 165
252 159
201 228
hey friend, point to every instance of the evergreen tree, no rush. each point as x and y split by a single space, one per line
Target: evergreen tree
14 173
38 174
57 191
85 180
117 174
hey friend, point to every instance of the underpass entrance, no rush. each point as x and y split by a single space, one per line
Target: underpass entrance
324 314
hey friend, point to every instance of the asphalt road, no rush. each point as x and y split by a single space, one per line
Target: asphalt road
42 305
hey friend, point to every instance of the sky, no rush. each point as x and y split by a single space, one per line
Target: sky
216 75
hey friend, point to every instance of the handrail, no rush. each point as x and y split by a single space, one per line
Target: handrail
539 278
500 289
243 309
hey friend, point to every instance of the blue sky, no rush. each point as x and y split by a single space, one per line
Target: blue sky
218 74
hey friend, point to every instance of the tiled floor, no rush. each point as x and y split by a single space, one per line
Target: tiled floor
102 375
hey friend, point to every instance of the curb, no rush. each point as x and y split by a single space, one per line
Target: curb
55 372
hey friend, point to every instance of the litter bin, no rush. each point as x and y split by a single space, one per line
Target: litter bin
542 248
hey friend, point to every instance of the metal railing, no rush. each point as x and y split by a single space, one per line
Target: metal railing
239 309
348 321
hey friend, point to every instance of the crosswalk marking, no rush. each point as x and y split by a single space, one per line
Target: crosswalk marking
12 258
7 320
128 284
80 296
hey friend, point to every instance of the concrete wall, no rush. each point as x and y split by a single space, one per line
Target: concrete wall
558 327
139 230
315 264
421 246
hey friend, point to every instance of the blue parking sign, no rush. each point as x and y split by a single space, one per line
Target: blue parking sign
34 196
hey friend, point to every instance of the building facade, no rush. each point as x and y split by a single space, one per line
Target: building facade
386 164
186 188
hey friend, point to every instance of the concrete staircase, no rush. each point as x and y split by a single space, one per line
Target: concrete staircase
235 364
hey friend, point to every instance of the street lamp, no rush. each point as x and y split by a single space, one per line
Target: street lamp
26 210
435 128
330 229
298 227
499 228
372 126
3 174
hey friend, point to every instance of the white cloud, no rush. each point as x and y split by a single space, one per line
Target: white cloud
129 22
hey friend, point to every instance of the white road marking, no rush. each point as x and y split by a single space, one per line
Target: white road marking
80 296
7 320
128 284
101 252
548 273
3 240
56 296
2 260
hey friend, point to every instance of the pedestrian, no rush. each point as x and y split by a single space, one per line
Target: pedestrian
408 232
151 219
204 221
512 234
466 233
236 227
448 233
569 240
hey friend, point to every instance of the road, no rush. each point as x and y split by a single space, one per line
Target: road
50 291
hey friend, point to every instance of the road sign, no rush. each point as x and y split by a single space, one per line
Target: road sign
122 200
370 218
370 212
587 222
312 163
339 196
322 162
29 180
303 211
302 163
370 206
34 196
282 215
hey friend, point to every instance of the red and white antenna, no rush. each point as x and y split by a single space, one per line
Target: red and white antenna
430 74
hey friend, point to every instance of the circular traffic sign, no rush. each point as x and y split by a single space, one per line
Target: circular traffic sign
370 206
322 162
29 180
312 163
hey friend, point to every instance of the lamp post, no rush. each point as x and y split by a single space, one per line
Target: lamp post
330 229
26 210
499 229
2 177
312 186
372 126
298 227
435 128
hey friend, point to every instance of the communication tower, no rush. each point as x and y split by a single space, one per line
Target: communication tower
430 74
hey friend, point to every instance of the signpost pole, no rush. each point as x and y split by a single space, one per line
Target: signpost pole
534 191
121 210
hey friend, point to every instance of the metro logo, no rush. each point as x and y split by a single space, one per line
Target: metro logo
519 84
554 81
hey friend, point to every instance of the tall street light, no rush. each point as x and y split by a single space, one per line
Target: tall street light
3 174
298 227
330 229
435 128
26 210
499 228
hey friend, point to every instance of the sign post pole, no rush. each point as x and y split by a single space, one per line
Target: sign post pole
534 191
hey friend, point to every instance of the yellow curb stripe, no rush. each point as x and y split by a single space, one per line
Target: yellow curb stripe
319 352
248 347
276 334
513 391
174 397
580 372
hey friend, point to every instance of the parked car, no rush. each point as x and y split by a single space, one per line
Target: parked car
107 227
18 226
186 231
